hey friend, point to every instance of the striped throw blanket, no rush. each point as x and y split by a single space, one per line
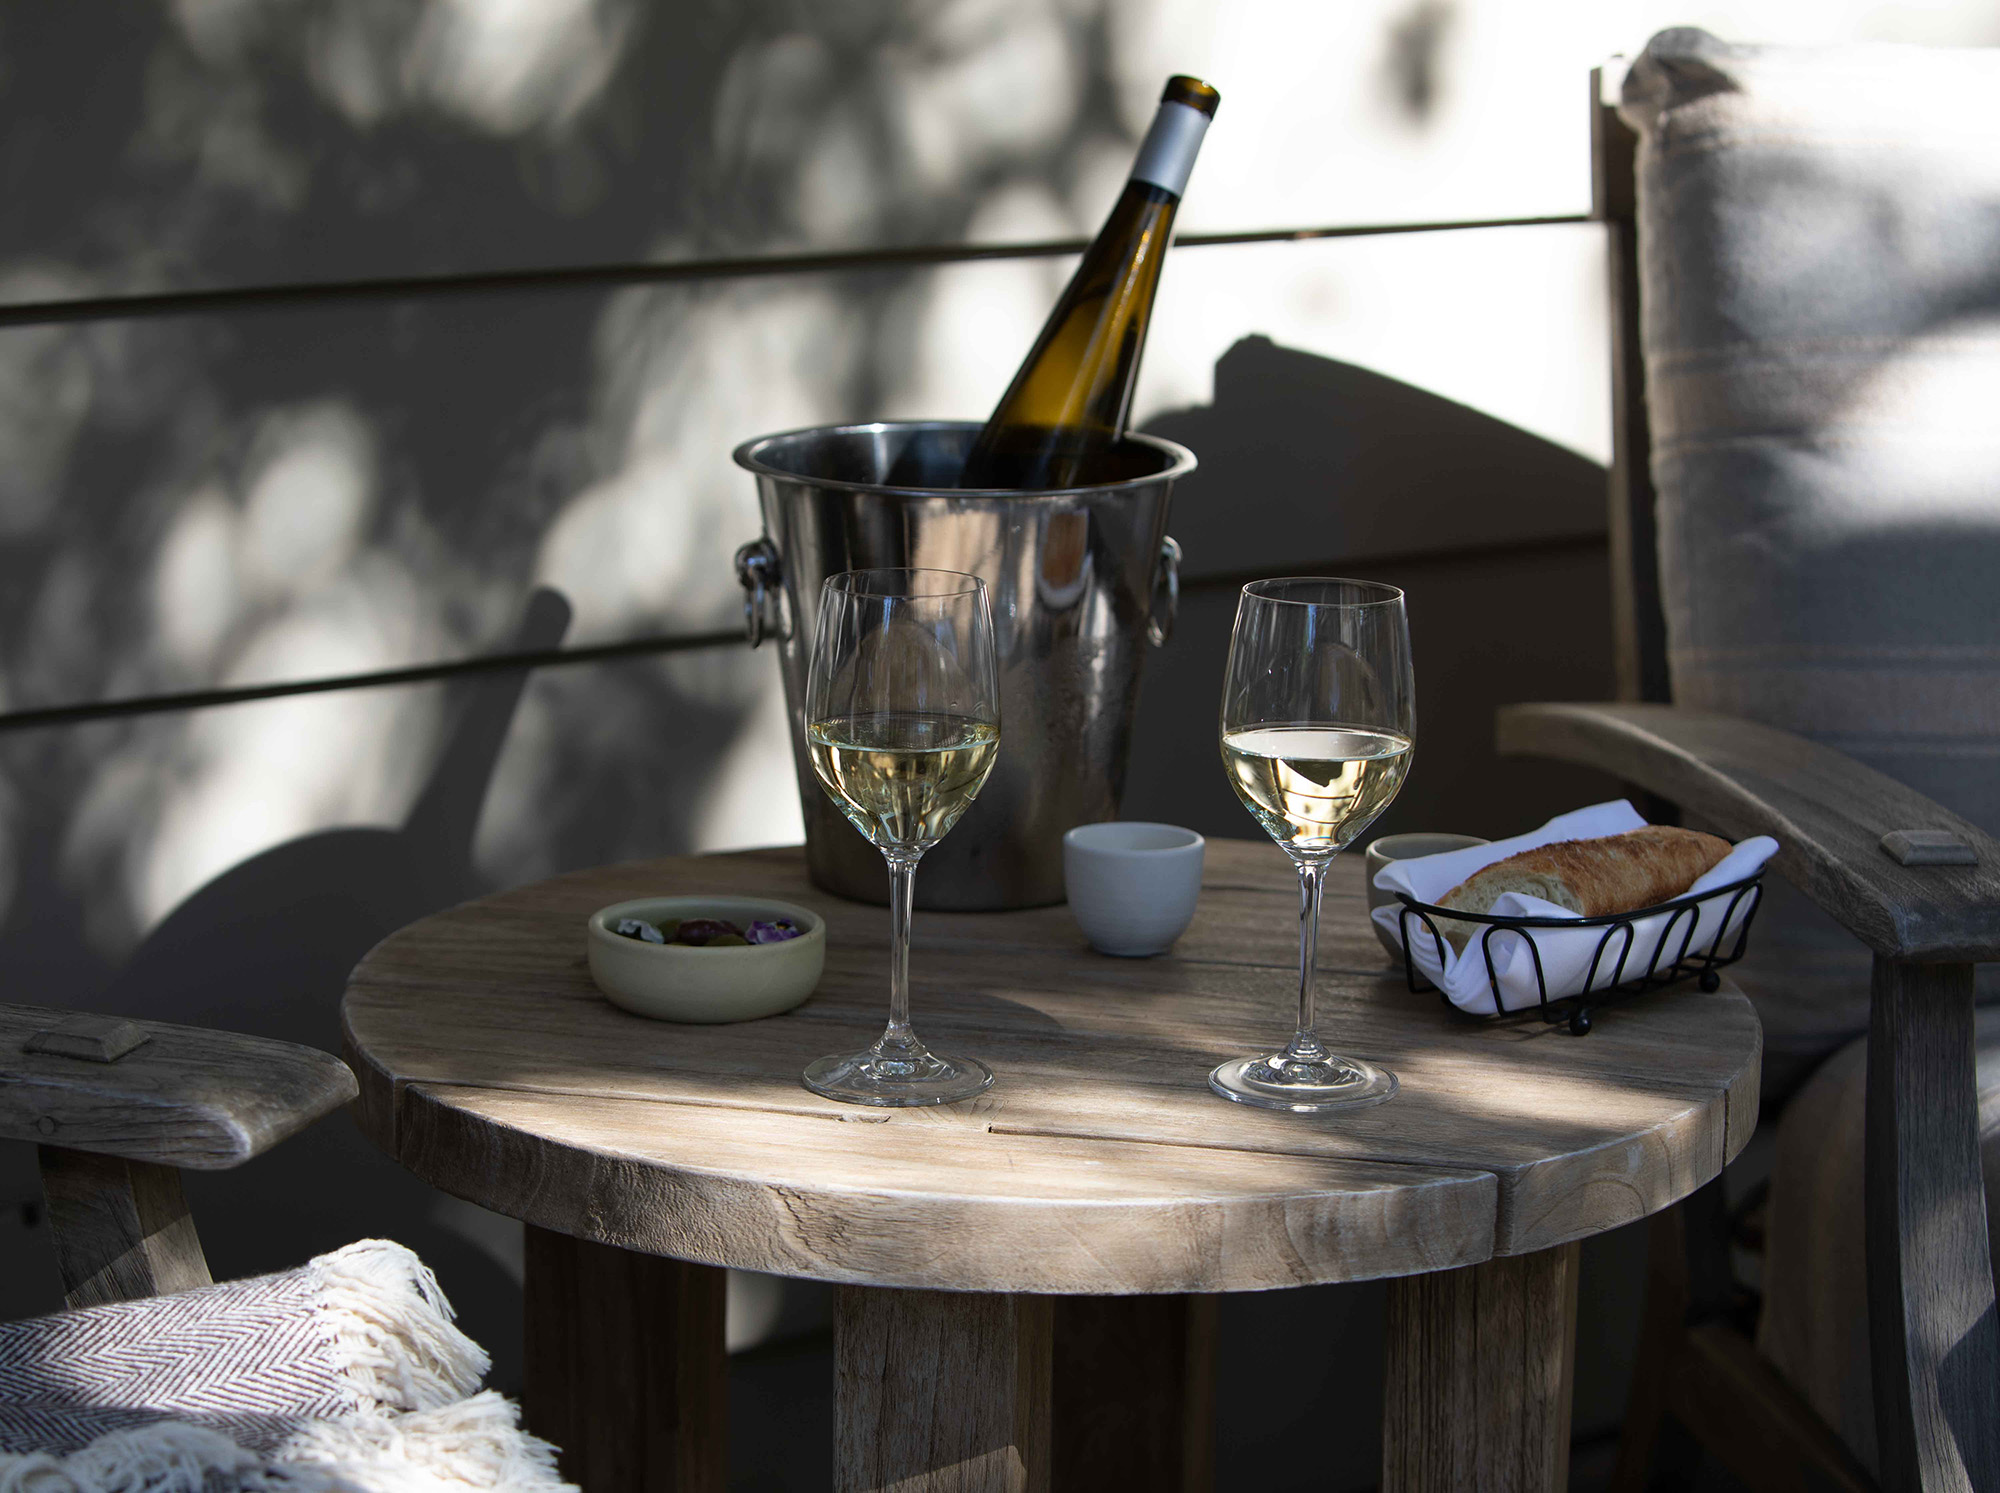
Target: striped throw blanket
344 1376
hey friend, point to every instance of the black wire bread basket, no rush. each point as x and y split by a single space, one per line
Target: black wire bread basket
1665 964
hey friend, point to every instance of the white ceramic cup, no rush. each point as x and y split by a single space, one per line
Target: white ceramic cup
1132 886
1404 848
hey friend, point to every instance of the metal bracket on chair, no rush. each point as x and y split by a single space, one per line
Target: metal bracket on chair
95 1039
757 573
1929 847
1160 623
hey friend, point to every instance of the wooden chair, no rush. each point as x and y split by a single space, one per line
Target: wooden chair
264 948
1935 1347
116 1108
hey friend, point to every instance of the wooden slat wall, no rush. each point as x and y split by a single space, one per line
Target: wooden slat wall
301 490
240 487
241 144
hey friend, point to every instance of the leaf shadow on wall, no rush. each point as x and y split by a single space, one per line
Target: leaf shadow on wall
264 948
259 143
1314 466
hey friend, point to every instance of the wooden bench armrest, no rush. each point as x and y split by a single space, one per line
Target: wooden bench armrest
183 1097
1827 812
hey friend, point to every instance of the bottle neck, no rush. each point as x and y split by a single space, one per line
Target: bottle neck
1166 157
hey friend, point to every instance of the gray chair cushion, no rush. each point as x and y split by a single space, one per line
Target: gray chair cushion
1819 234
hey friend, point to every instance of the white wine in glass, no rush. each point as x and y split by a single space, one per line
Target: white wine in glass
1314 788
903 725
1318 721
903 779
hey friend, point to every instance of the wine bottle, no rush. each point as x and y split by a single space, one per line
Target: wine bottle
1066 409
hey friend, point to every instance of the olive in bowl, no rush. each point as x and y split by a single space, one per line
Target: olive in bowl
725 976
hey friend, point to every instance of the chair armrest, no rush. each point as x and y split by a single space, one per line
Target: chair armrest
1827 812
185 1097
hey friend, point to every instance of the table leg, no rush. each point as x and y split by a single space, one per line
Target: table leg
1479 1376
626 1370
940 1392
1134 1394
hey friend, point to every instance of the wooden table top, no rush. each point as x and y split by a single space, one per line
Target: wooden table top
1098 1162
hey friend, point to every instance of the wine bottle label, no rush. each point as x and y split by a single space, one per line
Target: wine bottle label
1167 157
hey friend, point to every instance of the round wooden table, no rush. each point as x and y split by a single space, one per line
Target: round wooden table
1063 1229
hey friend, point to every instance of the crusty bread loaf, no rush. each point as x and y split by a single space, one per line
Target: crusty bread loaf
1619 873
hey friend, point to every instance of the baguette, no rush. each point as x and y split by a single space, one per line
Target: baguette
1618 873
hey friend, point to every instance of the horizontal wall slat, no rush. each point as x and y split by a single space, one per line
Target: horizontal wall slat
197 302
550 658
540 658
227 503
245 145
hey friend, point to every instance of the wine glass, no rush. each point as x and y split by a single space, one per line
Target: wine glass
1318 722
903 722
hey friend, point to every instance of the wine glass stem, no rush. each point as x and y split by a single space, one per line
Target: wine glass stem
1305 1043
898 1038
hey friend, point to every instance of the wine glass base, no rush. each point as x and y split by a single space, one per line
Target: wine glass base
1278 1082
868 1077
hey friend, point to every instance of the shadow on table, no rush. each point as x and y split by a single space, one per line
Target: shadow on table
1314 465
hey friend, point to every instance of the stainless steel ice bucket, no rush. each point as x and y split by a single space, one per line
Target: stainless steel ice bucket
1079 579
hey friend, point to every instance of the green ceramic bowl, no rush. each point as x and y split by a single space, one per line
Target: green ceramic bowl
679 982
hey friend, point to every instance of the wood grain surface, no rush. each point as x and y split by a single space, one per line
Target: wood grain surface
187 1097
1099 1163
1638 626
121 1228
1477 1390
940 1392
626 1370
1827 810
1934 1343
1134 1394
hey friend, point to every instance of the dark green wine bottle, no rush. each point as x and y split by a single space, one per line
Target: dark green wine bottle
1059 420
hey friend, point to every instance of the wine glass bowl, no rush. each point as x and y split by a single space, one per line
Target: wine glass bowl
902 726
1317 732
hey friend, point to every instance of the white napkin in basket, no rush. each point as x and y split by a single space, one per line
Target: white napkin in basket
1565 954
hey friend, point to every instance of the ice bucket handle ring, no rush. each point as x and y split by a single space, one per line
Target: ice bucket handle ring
1166 594
758 574
757 571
